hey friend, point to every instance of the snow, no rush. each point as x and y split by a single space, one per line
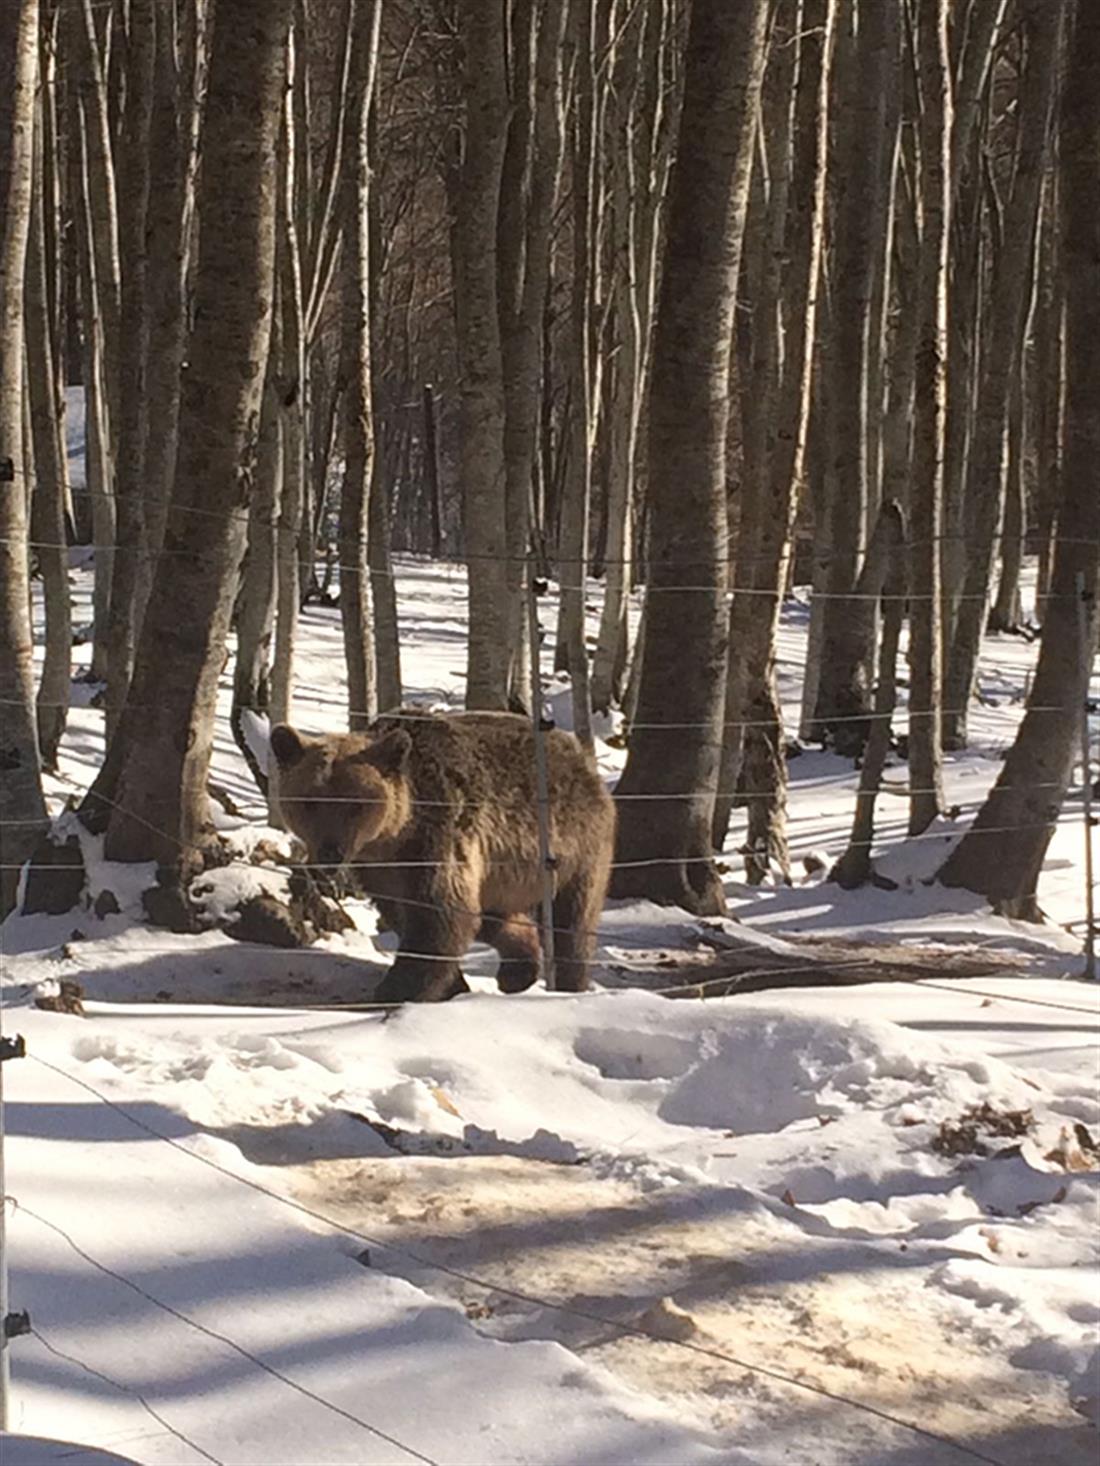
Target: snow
814 1226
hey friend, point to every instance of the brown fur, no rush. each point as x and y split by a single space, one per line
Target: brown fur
456 792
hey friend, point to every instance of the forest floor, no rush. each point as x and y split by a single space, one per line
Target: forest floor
815 1225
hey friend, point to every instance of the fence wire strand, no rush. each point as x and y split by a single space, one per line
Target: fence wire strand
205 1329
553 1305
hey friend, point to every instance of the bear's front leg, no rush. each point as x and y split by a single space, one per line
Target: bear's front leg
414 980
427 969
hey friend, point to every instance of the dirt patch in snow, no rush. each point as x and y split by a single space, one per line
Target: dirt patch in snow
720 1271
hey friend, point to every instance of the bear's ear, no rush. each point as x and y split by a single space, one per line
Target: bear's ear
287 744
390 753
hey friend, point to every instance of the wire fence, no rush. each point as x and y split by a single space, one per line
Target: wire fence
408 1256
234 516
218 1337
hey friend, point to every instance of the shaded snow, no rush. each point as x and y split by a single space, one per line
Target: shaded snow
757 1179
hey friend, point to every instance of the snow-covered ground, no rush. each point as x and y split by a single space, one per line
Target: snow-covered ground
817 1226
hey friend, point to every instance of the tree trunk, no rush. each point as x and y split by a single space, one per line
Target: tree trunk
293 396
776 460
929 414
676 740
854 867
154 781
529 185
866 65
22 808
173 160
355 599
481 464
387 640
1002 855
1049 385
101 202
256 601
1009 304
1006 614
50 489
130 488
99 456
593 29
640 157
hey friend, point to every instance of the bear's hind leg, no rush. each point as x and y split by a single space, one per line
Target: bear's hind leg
516 938
577 908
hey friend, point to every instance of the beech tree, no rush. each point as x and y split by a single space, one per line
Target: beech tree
1027 797
22 807
677 736
151 793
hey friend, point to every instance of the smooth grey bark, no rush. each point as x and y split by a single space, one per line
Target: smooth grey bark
1007 312
776 452
387 639
257 597
152 790
867 46
1049 386
1024 804
50 488
854 867
676 739
530 178
1005 614
102 201
130 485
173 160
482 473
592 37
292 393
929 419
99 453
355 371
22 807
640 150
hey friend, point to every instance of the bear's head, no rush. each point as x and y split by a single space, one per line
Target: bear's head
343 792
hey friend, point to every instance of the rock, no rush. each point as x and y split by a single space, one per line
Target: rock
667 1320
166 906
106 904
55 880
269 921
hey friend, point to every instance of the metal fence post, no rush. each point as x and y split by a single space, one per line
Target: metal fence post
1086 775
535 588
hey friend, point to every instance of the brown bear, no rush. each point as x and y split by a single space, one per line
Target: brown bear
435 818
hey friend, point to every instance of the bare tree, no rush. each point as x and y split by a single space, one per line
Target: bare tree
22 807
676 740
482 468
355 599
133 204
151 793
867 50
639 144
1024 804
1002 349
529 183
776 407
50 490
929 413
